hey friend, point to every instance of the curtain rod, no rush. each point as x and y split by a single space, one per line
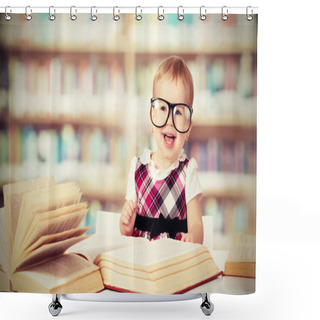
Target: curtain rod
127 10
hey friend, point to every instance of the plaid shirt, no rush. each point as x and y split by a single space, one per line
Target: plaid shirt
161 199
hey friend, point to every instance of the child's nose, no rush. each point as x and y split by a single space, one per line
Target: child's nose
170 122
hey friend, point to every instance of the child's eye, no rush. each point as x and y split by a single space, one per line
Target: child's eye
163 108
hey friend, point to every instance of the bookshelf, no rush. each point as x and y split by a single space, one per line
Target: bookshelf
75 103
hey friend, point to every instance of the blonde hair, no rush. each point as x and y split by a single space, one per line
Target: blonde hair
175 68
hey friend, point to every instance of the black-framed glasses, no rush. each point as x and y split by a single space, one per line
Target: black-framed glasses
160 112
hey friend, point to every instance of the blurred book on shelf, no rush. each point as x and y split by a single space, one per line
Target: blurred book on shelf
225 156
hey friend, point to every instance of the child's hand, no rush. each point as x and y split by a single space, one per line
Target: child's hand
128 217
187 237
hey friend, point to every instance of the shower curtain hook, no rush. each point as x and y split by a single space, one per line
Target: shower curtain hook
180 15
203 15
116 17
93 16
28 15
51 15
160 16
249 17
7 16
73 17
138 16
224 15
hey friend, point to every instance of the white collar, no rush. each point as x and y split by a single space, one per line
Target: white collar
146 159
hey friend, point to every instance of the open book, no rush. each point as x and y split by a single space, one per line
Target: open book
163 266
47 251
241 260
41 221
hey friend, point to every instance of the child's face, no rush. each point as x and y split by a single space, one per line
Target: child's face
169 140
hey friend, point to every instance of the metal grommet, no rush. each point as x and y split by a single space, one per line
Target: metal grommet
224 13
73 17
203 15
7 17
160 16
51 15
180 15
28 15
138 16
93 16
116 17
249 17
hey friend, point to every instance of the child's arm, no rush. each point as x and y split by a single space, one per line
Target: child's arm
195 226
128 218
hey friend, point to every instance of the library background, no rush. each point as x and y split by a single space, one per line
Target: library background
74 103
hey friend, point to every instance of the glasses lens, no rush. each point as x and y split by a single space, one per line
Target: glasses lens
159 112
181 118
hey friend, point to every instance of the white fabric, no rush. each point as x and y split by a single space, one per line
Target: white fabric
193 187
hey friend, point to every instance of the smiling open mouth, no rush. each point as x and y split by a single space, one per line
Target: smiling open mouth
169 139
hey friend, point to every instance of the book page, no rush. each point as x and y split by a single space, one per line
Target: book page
52 238
52 222
4 262
4 281
12 194
156 271
243 248
65 270
153 252
43 200
47 252
97 244
164 266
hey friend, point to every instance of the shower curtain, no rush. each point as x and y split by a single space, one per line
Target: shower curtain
128 151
